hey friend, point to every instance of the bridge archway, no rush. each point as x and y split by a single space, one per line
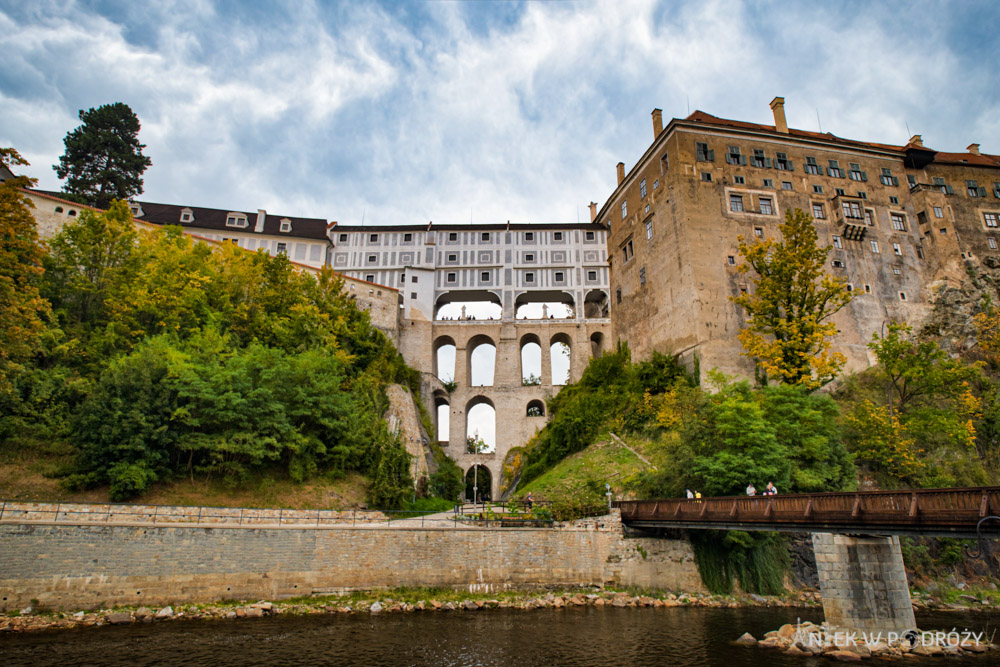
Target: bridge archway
444 358
442 416
482 355
478 484
468 305
596 344
531 360
544 305
560 358
480 422
535 408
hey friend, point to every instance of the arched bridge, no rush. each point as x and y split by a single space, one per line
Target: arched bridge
929 512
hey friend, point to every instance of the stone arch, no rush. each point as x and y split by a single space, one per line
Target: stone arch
544 305
59 209
595 304
481 355
481 422
596 344
560 358
531 359
444 358
536 408
478 484
468 305
442 416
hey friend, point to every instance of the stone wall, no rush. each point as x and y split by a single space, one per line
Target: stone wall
67 566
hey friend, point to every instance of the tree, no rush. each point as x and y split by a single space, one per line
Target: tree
790 303
22 310
103 159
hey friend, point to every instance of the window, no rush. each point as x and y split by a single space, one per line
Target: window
836 242
589 236
894 200
642 188
973 189
618 295
642 275
887 178
869 217
407 238
452 277
707 177
898 221
413 279
874 245
812 167
529 257
834 169
765 206
370 277
731 260
402 277
282 249
591 275
484 276
557 236
71 212
733 156
286 225
758 232
627 251
529 277
233 220
896 271
862 194
818 212
185 216
646 210
782 162
485 236
911 180
703 153
943 230
739 180
837 264
856 174
413 295
452 236
868 289
938 213
560 276
786 185
59 209
902 296
373 238
656 183
840 192
453 257
768 182
624 209
758 159
818 189
897 250
343 238
372 259
850 287
991 219
945 188
920 252
992 242
649 229
996 189
529 236
736 203
852 209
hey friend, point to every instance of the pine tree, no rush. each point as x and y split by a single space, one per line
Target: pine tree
103 159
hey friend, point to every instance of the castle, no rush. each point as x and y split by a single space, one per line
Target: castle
655 267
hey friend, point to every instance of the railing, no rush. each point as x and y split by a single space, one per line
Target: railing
929 511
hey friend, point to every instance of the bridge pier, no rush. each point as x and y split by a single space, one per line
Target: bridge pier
863 583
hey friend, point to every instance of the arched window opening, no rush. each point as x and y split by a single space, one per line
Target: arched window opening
482 361
595 304
531 361
468 305
444 359
559 356
596 345
442 415
480 427
478 484
536 409
544 305
59 209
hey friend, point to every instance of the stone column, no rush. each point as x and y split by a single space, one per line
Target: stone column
863 583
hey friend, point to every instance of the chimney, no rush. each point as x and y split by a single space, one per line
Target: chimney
916 140
973 148
778 107
593 211
621 172
657 122
261 215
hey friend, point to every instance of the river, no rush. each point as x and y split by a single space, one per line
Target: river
574 636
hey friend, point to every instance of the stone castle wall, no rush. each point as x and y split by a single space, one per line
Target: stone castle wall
67 566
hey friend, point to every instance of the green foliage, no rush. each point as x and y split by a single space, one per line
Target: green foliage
103 159
758 561
448 482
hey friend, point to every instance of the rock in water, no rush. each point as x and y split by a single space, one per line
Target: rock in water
166 612
746 639
375 608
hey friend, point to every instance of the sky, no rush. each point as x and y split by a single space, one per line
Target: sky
407 112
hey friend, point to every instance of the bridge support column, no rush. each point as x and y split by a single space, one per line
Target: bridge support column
863 583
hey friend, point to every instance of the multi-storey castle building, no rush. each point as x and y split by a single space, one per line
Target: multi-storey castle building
540 289
900 220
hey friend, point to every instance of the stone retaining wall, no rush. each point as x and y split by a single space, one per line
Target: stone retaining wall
65 566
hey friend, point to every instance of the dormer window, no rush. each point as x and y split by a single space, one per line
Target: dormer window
187 215
137 210
286 225
236 220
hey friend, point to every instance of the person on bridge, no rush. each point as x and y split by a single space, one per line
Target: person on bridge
697 494
771 490
528 501
690 494
751 491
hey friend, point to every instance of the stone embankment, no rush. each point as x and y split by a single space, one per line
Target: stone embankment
808 639
445 601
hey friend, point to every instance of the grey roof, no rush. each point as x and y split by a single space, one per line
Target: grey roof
215 219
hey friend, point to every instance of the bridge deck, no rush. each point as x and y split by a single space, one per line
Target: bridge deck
931 512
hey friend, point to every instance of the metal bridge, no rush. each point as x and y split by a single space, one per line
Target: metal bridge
931 512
